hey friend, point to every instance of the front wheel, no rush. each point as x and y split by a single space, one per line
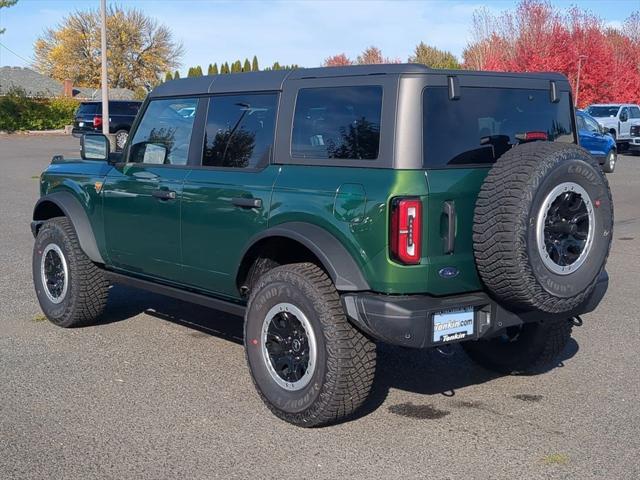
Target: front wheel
526 349
610 162
71 290
310 366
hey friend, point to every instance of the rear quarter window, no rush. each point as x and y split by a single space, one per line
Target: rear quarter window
486 122
337 123
88 109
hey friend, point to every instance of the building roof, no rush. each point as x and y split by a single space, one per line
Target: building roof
32 82
37 85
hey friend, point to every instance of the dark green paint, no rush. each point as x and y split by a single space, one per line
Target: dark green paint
197 240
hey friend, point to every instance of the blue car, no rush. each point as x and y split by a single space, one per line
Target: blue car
600 144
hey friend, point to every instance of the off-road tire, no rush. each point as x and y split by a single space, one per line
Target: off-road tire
533 351
509 204
346 358
609 164
87 291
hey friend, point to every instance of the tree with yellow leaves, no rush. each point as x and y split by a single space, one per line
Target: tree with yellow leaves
139 51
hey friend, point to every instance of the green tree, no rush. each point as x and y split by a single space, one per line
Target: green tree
276 66
6 4
198 71
168 77
246 66
140 50
176 75
190 72
213 69
236 67
434 58
225 68
254 64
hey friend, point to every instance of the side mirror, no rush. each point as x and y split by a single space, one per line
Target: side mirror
94 147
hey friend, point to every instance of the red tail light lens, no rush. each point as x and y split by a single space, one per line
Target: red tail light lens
405 236
530 136
97 121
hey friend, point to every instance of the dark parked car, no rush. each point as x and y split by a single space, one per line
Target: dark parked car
597 140
337 207
121 116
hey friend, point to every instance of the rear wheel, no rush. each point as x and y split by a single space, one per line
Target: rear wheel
310 366
526 349
121 139
71 290
610 162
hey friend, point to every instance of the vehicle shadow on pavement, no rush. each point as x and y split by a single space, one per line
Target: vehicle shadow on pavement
125 303
424 372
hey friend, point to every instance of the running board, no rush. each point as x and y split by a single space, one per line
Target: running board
178 293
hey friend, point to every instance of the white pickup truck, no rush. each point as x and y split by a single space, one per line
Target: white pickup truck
619 119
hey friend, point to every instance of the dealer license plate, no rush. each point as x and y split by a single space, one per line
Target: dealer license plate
453 325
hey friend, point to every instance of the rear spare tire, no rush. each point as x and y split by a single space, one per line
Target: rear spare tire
542 227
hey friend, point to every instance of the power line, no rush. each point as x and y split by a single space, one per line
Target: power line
28 62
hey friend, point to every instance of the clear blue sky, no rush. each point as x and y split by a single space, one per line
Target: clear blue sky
302 32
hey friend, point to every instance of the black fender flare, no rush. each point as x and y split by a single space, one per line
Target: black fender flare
333 256
76 213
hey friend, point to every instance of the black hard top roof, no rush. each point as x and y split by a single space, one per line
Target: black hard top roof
274 79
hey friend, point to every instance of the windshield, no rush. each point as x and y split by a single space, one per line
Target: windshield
486 122
604 111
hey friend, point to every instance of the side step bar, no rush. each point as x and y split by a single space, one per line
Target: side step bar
178 293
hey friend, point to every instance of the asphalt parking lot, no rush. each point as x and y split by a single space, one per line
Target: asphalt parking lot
161 390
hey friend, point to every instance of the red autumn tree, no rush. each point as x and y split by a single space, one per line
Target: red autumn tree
339 60
538 37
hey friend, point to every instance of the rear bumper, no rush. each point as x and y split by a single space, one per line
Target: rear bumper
407 320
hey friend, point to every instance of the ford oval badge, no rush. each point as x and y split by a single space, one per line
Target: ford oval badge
448 272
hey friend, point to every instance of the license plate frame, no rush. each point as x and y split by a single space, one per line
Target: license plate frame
453 325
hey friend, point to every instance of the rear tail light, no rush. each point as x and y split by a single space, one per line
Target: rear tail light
405 235
530 136
97 121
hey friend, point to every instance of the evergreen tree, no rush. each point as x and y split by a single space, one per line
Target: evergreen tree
254 64
236 67
225 68
246 67
168 77
197 71
213 69
276 66
176 75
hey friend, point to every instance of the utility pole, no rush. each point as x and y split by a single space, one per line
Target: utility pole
580 58
105 81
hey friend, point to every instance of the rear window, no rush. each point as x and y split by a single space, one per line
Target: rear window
337 122
88 109
486 122
604 111
124 108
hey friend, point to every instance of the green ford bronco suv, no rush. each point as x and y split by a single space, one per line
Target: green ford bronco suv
337 207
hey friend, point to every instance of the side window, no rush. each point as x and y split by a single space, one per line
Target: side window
164 134
240 130
580 120
635 112
624 114
337 122
591 125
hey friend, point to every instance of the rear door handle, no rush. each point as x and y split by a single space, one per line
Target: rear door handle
164 194
449 210
247 202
